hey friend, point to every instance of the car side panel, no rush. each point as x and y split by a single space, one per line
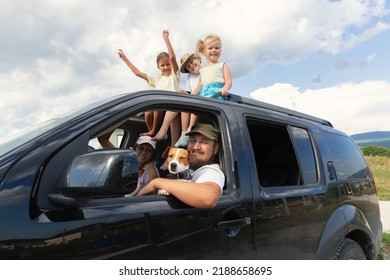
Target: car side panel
288 219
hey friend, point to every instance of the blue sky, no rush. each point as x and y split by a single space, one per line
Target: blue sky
325 58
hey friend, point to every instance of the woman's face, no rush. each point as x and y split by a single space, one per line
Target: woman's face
144 152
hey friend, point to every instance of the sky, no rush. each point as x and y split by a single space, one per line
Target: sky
329 58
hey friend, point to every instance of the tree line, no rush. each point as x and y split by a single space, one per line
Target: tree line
374 150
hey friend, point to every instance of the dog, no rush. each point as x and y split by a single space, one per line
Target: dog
178 164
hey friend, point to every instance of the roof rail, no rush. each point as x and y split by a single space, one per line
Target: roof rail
260 104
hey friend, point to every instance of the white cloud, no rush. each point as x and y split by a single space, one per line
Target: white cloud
352 108
56 54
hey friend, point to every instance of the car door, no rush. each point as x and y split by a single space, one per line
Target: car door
291 201
155 227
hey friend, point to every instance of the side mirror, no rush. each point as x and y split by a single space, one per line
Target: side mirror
101 173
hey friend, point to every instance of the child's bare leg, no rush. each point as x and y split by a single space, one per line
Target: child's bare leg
149 120
157 121
185 121
175 129
162 134
193 121
157 117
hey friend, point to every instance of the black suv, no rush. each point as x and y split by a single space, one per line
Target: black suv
296 188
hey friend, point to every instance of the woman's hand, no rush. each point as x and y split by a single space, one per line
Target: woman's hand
150 168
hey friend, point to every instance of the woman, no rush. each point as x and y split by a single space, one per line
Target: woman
145 148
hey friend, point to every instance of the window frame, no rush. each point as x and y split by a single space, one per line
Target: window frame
213 113
286 125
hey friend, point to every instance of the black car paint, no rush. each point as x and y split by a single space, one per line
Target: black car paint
249 222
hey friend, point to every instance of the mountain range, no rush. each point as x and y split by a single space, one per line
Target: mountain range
379 138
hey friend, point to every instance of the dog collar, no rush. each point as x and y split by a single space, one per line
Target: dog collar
185 175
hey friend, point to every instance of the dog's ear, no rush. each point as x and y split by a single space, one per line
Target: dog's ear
165 153
189 154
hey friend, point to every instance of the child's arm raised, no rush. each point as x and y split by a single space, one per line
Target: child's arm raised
172 56
134 69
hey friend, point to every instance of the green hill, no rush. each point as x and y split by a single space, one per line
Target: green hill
378 138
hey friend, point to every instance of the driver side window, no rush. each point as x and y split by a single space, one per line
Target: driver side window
123 133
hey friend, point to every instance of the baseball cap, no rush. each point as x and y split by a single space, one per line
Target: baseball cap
205 129
146 139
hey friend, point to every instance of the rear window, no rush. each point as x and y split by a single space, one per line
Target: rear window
347 158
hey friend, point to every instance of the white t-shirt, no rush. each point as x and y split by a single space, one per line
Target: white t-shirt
209 173
192 81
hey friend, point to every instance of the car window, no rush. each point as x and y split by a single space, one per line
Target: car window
115 137
347 158
306 157
276 157
123 133
11 142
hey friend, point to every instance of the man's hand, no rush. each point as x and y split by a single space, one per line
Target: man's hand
148 189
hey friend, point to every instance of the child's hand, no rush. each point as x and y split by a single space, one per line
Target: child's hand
121 54
165 34
224 92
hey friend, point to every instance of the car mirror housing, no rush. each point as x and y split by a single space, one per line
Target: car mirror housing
101 173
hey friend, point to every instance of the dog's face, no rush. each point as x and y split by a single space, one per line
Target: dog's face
178 160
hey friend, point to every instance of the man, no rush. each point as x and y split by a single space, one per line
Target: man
205 187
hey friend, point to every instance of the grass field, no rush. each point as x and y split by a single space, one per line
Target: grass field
380 168
385 248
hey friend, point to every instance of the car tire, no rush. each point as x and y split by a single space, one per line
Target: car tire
349 250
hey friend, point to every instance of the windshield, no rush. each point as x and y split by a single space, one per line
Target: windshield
13 141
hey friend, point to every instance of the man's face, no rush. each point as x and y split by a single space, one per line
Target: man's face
202 150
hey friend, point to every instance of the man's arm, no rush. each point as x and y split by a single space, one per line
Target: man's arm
200 195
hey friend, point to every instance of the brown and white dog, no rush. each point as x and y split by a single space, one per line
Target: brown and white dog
178 163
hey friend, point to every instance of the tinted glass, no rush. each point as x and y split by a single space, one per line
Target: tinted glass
347 158
306 155
274 153
13 141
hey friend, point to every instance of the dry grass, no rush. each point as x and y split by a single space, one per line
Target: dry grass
380 168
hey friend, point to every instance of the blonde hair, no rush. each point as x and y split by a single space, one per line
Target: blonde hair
201 44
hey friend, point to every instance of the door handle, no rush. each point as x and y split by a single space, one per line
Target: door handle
232 228
331 170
